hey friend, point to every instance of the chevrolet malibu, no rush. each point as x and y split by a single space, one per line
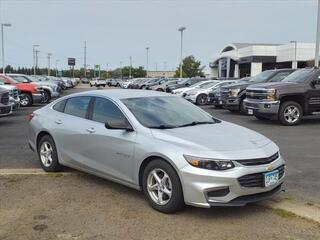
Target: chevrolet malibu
159 143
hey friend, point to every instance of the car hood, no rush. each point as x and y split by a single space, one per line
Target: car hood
237 85
183 89
222 136
277 85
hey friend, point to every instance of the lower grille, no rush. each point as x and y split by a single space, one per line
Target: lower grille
5 99
257 179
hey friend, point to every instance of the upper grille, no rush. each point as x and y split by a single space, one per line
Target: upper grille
257 179
5 98
256 94
259 161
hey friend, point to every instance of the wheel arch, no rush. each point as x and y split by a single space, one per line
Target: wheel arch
148 159
40 135
296 98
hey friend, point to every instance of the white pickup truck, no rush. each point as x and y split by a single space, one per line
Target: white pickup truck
97 82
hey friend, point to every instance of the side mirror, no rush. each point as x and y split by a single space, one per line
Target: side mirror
126 127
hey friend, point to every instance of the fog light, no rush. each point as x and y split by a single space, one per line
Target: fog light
218 193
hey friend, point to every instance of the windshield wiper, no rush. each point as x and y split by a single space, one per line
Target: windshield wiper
196 123
162 126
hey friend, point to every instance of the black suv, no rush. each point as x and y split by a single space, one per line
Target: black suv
232 96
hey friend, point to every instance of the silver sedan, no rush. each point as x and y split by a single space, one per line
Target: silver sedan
173 151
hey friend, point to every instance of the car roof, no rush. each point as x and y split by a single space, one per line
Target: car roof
123 93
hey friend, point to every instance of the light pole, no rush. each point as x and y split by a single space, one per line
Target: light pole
295 63
147 66
49 56
121 70
57 67
2 43
130 68
181 30
34 57
316 59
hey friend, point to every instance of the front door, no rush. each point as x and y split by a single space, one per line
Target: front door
111 150
313 97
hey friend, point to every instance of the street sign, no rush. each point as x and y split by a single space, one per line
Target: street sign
71 61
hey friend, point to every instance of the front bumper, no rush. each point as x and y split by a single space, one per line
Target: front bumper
215 100
5 110
262 107
37 97
191 98
15 102
198 183
231 103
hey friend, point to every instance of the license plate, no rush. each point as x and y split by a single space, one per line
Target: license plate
271 178
250 111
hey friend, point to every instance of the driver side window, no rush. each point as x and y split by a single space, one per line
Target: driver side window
103 110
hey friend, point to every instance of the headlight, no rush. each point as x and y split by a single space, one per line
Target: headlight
234 92
271 94
210 164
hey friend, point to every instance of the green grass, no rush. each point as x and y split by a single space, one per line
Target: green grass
284 213
54 174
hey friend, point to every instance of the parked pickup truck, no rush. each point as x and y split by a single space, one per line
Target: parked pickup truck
232 96
29 93
5 106
288 101
14 98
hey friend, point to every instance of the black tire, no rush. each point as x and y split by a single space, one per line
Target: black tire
283 110
109 84
25 99
159 90
90 84
46 97
118 85
103 85
176 201
202 99
54 165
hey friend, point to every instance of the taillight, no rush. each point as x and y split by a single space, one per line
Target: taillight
30 116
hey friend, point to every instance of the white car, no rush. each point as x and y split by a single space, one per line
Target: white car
181 91
97 82
199 95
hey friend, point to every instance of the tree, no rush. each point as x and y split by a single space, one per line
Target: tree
190 68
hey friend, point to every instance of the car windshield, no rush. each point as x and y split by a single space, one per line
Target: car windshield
298 76
175 112
261 77
182 81
19 79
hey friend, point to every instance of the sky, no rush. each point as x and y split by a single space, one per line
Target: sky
117 29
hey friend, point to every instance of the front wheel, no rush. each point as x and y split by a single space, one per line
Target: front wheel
290 113
48 155
25 99
162 187
202 99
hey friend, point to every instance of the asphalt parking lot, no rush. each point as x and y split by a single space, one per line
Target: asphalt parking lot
299 145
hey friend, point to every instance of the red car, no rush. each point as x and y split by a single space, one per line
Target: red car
29 93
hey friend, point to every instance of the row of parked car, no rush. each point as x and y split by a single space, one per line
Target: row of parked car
281 94
20 90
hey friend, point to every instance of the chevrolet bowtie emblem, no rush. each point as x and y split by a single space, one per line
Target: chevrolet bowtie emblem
269 168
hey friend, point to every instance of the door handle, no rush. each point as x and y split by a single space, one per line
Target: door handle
91 130
58 122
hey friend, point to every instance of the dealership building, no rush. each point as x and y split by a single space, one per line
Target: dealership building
237 60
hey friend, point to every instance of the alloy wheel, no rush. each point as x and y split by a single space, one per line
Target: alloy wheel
159 186
46 152
291 114
24 100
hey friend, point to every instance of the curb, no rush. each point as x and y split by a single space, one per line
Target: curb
299 209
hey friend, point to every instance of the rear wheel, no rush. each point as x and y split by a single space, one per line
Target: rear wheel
290 113
162 187
47 153
202 99
25 99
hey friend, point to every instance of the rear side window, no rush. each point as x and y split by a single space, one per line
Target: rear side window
77 106
106 111
60 106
